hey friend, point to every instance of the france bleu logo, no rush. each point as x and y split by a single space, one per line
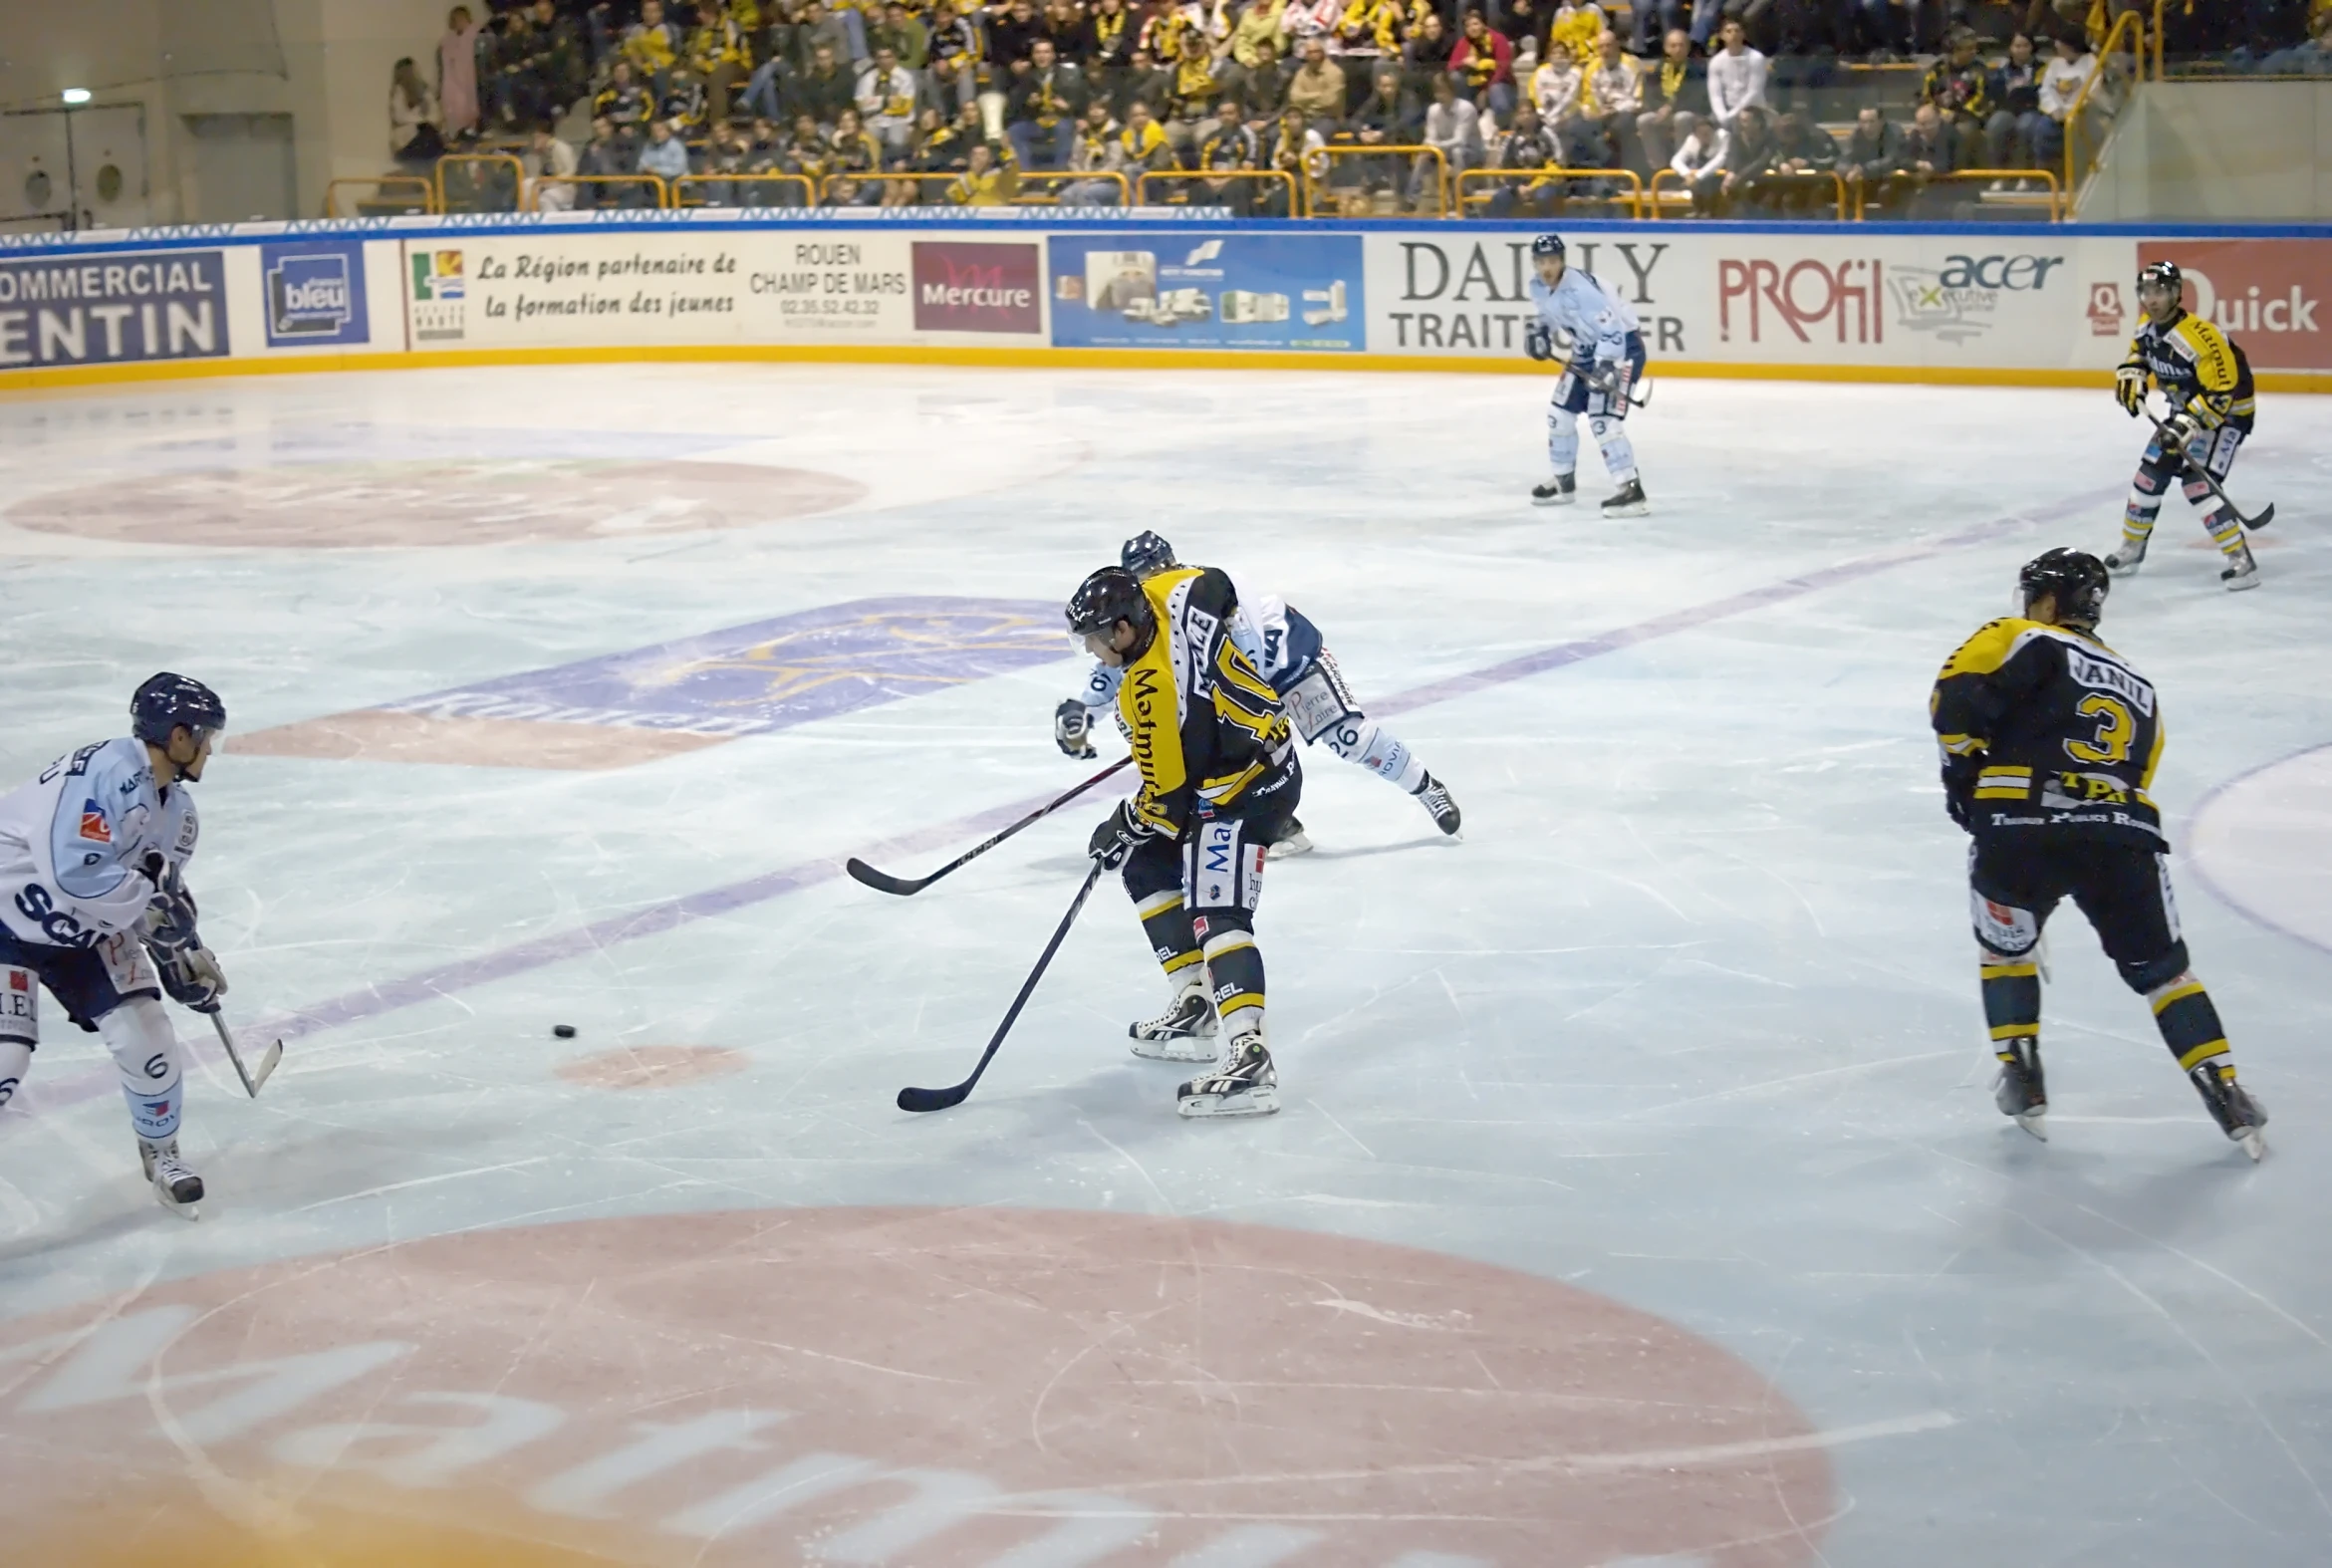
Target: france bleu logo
315 294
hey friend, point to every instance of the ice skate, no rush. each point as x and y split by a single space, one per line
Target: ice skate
175 1186
2126 561
2244 573
1561 490
1247 1084
1185 1031
1291 841
1628 502
1434 795
2238 1115
2021 1091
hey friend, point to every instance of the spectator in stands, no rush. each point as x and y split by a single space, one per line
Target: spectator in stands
953 37
1319 85
856 148
1746 185
1012 36
807 154
652 44
457 76
1527 145
1484 61
2060 89
1430 46
885 101
416 139
1526 26
1146 81
1558 91
606 154
1041 112
1388 118
1097 152
1232 151
1808 156
2011 135
1452 127
766 154
717 54
1264 84
1113 44
1574 28
1190 111
908 41
713 179
1736 75
946 89
1875 158
1071 31
684 106
1677 84
665 154
988 180
1960 90
554 161
1296 150
2310 59
1614 100
623 102
824 90
1702 146
814 24
1367 32
1927 153
1141 143
1305 20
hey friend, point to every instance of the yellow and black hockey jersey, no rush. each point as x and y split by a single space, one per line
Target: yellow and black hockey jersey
2061 731
2198 367
1204 726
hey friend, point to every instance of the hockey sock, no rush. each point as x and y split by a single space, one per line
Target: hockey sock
2226 531
1563 440
2189 1023
1619 453
2011 1004
1369 746
146 1053
1235 965
16 1059
1166 921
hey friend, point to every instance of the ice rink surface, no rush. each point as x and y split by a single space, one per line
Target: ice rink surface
1639 1197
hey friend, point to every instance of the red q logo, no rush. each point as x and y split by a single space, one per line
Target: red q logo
1842 301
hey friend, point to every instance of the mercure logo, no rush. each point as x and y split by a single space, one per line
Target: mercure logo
977 288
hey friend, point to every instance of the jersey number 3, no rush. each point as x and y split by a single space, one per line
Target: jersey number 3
2115 730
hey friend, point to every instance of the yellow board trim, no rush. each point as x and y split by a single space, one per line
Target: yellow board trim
2201 1053
2191 988
39 379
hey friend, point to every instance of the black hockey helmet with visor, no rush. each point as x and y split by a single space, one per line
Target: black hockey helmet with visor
166 701
2076 578
1145 555
1107 597
2161 277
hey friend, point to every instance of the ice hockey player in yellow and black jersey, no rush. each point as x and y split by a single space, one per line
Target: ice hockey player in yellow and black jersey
2050 742
2207 381
1220 779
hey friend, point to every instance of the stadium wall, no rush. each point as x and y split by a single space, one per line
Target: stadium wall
2013 304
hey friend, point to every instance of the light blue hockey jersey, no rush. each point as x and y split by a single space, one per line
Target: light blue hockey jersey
1597 319
71 840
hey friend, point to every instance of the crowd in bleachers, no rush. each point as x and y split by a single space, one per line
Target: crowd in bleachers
1757 107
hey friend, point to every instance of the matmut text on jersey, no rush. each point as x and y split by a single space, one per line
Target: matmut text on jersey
2198 367
2067 734
1204 725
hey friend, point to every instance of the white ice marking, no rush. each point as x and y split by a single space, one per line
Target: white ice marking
942 1499
1093 1526
583 1490
770 1494
1450 1322
1248 1547
509 1424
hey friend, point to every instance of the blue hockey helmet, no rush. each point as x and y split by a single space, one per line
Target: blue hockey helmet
1146 555
1547 245
166 702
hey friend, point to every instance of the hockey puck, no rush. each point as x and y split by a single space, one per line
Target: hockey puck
565 1031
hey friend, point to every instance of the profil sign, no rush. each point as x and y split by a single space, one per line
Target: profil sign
2274 297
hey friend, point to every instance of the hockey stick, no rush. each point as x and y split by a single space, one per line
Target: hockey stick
941 1099
2251 524
884 881
252 1083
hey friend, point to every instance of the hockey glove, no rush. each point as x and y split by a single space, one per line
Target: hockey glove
1073 729
1603 375
191 976
1119 832
2129 388
168 921
1959 774
2178 432
1538 340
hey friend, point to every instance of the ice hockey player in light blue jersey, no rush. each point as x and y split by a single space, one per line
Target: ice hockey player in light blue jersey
93 908
1607 359
1286 648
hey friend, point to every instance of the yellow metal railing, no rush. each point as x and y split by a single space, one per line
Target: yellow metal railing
1142 186
517 174
1442 206
2075 165
1633 195
680 185
534 192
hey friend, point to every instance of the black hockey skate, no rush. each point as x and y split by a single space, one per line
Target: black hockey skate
1185 1031
2126 561
2021 1091
1434 795
1247 1084
1628 502
175 1186
2238 1115
1561 490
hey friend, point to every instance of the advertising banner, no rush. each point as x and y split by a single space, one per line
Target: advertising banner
963 287
1230 291
313 292
1446 291
2269 295
114 308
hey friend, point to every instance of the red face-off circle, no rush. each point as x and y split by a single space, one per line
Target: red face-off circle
928 1387
459 501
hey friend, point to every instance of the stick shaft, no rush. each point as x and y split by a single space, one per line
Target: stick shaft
2162 429
904 885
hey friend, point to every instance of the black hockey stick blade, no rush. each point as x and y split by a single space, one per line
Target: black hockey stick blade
253 1082
903 887
941 1099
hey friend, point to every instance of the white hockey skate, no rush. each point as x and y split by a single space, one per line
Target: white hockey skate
2020 1090
1434 795
1185 1031
1247 1084
1627 501
175 1186
1292 842
2125 561
2243 574
1561 490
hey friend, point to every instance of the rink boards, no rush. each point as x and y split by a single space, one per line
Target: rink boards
2019 304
